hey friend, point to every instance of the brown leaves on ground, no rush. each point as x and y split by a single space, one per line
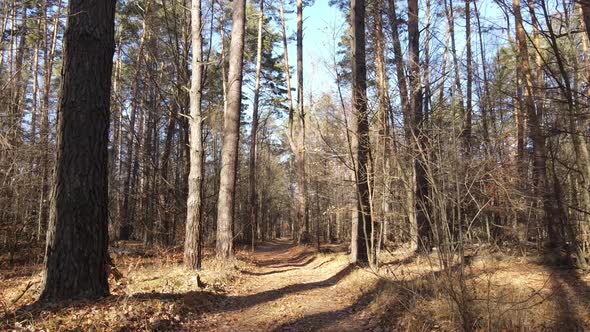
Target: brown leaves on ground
284 287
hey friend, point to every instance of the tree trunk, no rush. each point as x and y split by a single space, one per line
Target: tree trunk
250 231
231 134
383 155
192 241
359 95
418 139
469 104
300 155
297 224
48 58
534 125
76 255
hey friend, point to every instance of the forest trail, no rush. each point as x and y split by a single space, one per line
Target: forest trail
294 288
285 287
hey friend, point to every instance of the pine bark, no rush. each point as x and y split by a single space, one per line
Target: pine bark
192 242
76 255
231 134
359 93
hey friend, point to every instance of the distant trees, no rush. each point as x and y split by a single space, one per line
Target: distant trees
77 238
424 140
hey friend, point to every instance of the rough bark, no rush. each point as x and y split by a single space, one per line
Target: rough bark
359 96
76 254
231 134
192 241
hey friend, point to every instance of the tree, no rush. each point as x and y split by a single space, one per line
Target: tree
231 134
192 242
76 254
534 119
417 123
251 228
359 101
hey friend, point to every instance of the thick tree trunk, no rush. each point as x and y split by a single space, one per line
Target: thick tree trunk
76 256
231 131
192 242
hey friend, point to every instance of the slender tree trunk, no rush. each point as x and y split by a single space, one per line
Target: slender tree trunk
250 231
469 104
300 156
35 72
290 130
424 229
485 103
48 58
408 118
231 131
192 257
359 95
116 127
534 124
18 81
383 116
76 256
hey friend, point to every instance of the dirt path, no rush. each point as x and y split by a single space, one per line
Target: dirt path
283 287
293 288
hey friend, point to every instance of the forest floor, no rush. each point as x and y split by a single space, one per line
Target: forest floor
284 287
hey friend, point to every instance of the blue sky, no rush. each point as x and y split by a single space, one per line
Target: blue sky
320 20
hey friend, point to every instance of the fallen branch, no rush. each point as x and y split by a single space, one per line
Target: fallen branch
21 294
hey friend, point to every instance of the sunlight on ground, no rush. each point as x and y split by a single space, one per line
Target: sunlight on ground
286 287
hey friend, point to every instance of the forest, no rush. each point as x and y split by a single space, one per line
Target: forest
294 165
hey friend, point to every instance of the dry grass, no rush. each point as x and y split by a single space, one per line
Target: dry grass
282 287
510 294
